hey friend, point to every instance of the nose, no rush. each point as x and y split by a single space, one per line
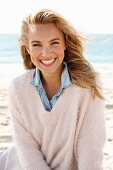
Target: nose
45 51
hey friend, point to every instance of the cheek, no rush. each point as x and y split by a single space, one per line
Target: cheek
60 51
34 55
33 59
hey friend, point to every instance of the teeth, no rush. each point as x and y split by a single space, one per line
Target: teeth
48 62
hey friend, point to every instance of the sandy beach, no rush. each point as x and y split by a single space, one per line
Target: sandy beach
9 71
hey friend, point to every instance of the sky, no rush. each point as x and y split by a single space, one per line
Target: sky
87 16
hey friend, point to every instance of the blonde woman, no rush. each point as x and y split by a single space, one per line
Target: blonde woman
56 106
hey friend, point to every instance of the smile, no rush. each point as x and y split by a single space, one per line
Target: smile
48 62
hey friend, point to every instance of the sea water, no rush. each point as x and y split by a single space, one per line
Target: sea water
98 50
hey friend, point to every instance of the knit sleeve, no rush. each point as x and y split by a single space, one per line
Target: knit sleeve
30 156
91 137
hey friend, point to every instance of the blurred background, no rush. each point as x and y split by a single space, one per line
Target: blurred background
93 19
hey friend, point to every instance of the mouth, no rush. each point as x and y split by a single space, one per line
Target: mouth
48 62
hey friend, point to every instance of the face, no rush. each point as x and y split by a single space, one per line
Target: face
46 47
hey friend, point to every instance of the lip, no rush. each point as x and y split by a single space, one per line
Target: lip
48 65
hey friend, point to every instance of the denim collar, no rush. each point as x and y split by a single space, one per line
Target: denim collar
65 78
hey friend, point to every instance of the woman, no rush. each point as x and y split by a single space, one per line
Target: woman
56 106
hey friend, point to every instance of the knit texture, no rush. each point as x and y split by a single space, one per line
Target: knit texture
69 137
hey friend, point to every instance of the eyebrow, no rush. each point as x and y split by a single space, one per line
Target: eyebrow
54 39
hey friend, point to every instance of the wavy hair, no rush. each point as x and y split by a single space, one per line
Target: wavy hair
80 70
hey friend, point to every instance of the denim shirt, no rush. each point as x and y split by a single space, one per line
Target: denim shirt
65 82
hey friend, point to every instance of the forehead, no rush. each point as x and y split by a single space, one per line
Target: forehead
44 30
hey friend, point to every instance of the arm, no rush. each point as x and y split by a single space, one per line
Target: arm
30 156
91 137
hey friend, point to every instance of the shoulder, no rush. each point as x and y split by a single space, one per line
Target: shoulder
84 95
80 91
22 80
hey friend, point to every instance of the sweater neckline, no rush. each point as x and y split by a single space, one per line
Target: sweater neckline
59 103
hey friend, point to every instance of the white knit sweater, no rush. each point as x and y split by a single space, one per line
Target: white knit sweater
69 137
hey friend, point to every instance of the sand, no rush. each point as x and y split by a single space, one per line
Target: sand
7 74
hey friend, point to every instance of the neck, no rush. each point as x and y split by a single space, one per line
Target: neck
52 82
52 78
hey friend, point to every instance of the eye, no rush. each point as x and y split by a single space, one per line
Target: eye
36 45
55 42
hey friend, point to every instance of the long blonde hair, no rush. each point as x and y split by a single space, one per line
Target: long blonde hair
80 70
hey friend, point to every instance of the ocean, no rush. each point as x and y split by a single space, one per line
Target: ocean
98 50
